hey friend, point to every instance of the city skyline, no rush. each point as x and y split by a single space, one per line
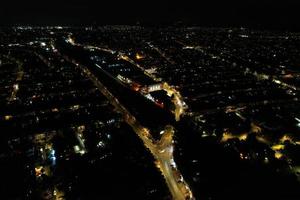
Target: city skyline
264 14
152 113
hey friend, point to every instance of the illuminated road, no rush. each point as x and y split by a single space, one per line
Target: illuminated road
161 53
177 100
19 78
162 150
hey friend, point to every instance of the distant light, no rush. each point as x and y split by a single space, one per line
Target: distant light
243 137
52 153
38 171
76 148
16 86
244 36
188 47
82 151
286 138
110 121
139 56
278 147
266 160
227 136
278 155
241 156
8 117
54 110
277 81
75 107
101 144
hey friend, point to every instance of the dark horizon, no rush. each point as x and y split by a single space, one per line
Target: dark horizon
255 14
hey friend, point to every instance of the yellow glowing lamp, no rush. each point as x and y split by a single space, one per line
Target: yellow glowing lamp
8 117
139 56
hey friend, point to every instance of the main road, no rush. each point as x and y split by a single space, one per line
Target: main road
162 150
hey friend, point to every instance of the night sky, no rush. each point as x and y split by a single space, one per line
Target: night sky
248 13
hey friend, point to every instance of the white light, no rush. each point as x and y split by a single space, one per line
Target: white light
100 144
16 86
